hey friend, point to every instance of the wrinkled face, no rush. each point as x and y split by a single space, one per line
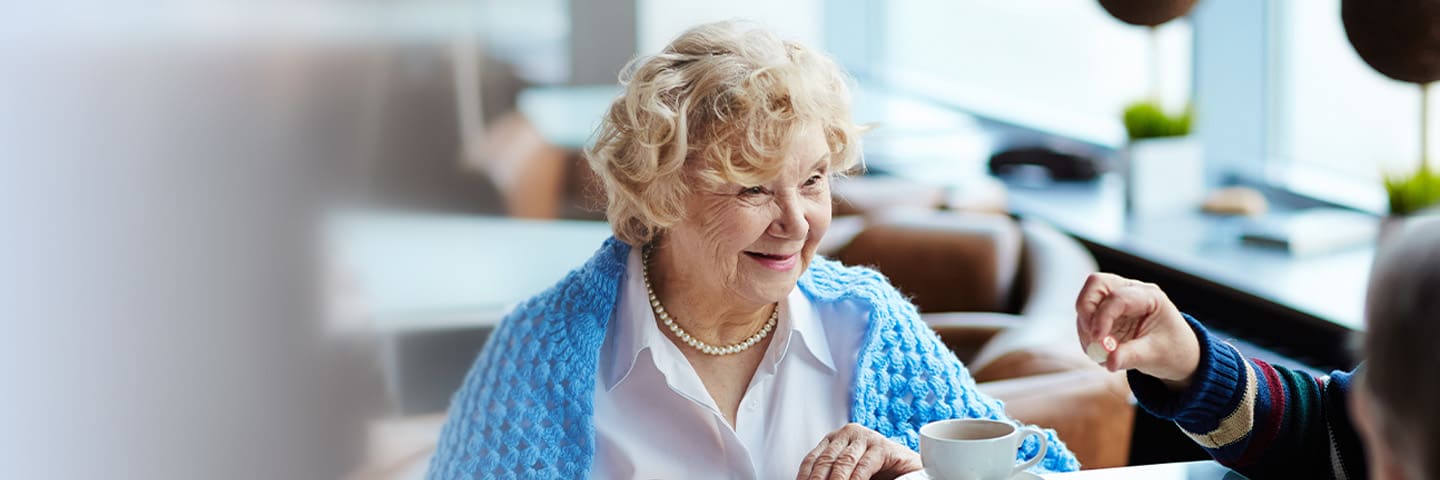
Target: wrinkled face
752 242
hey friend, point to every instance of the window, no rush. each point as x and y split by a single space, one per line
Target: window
1281 96
1333 112
1064 67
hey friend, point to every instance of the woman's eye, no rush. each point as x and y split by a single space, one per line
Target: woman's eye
751 191
814 179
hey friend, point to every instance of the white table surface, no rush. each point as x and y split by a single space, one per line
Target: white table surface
429 271
1205 470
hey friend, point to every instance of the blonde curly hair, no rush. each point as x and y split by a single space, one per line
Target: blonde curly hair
720 104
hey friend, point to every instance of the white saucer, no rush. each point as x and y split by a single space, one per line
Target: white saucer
1018 476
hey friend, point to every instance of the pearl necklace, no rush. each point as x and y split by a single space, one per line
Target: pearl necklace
685 336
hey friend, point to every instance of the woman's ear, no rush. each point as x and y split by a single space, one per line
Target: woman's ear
1386 463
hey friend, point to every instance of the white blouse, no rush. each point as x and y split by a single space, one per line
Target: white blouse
654 418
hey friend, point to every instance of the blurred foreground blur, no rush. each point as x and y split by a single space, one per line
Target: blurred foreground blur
164 169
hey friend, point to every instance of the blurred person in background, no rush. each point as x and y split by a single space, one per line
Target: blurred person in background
1268 421
706 339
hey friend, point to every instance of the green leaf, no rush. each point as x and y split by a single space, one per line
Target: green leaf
1146 119
1410 193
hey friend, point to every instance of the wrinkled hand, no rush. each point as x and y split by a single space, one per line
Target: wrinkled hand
1148 332
856 452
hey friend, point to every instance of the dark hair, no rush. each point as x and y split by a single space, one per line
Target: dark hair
1402 344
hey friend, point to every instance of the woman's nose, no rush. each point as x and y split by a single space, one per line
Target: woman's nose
789 220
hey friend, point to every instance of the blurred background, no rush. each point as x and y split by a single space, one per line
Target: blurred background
264 239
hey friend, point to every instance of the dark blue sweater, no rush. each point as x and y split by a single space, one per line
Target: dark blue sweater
1262 420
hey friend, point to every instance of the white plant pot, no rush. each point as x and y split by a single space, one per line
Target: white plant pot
1164 176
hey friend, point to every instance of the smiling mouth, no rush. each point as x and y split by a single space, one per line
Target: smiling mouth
776 262
770 256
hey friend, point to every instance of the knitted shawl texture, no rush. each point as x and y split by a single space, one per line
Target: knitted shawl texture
525 408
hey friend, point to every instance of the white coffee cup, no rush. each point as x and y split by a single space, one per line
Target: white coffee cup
975 449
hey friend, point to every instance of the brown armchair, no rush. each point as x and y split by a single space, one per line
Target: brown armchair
1001 294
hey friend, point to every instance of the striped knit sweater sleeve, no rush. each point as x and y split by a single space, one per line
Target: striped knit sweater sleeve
1262 420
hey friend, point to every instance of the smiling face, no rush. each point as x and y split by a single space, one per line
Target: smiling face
750 243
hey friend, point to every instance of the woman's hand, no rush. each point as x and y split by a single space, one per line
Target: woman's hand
1140 328
856 452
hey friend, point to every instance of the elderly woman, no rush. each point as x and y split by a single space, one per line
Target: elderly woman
707 340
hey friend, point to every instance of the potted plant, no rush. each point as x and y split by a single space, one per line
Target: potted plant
1411 195
1163 166
1396 38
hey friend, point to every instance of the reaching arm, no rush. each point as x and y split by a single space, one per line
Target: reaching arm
1265 421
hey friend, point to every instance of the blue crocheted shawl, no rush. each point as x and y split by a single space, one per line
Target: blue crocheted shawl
525 408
